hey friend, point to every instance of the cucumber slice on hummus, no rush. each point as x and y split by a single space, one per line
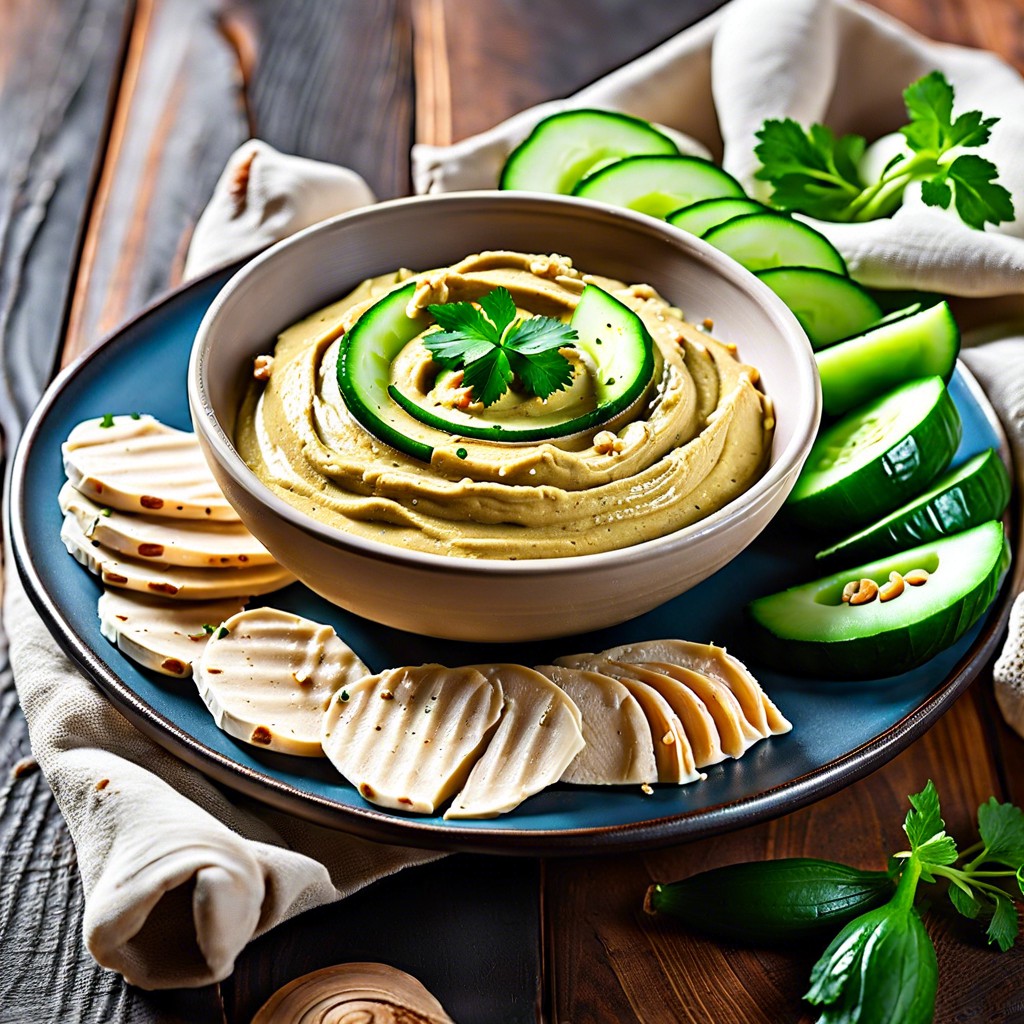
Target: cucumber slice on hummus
620 353
812 631
877 457
565 147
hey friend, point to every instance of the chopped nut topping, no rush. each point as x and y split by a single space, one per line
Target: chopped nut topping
607 443
261 734
860 592
642 291
262 366
551 266
891 589
386 695
668 739
646 789
708 324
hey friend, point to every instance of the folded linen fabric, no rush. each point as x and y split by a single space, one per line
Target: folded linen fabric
839 62
178 877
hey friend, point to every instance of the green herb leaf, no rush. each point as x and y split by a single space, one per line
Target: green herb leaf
1002 929
492 347
107 421
500 308
812 171
881 967
538 362
936 192
977 197
929 103
489 376
964 900
1001 827
815 172
926 830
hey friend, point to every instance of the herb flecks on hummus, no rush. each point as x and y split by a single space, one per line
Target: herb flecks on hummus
697 438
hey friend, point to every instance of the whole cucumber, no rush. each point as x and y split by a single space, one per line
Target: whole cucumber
764 901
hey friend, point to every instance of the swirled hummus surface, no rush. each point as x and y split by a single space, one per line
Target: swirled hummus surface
698 437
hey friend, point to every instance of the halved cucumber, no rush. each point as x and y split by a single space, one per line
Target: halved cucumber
860 368
876 458
761 241
563 148
699 218
829 306
622 352
809 630
658 184
972 493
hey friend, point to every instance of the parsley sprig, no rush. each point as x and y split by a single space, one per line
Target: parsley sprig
882 965
494 347
815 172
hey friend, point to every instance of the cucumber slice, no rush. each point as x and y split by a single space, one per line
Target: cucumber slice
699 218
972 493
658 184
619 346
565 147
810 631
876 458
761 241
860 368
364 368
829 306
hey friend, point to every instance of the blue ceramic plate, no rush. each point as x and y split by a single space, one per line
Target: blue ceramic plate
841 731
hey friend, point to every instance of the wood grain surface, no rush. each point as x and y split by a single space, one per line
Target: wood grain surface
117 117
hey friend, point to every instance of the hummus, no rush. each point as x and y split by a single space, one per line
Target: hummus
698 438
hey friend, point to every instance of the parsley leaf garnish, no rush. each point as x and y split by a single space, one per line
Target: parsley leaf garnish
927 832
493 347
816 173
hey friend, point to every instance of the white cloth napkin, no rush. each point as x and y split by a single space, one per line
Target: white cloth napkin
178 876
836 61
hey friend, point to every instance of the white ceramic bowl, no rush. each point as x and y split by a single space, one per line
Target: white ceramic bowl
491 600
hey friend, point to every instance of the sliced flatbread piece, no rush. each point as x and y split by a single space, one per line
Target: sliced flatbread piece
536 740
408 738
177 582
167 638
672 750
735 734
619 747
699 724
137 464
170 541
268 676
714 661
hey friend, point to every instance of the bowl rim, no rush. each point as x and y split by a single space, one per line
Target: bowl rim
207 423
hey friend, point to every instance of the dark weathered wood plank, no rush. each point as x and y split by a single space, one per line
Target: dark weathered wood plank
505 57
60 63
328 81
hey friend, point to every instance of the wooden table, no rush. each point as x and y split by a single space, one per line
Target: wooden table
116 119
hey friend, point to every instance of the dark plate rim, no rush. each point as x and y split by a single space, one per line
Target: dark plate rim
370 823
